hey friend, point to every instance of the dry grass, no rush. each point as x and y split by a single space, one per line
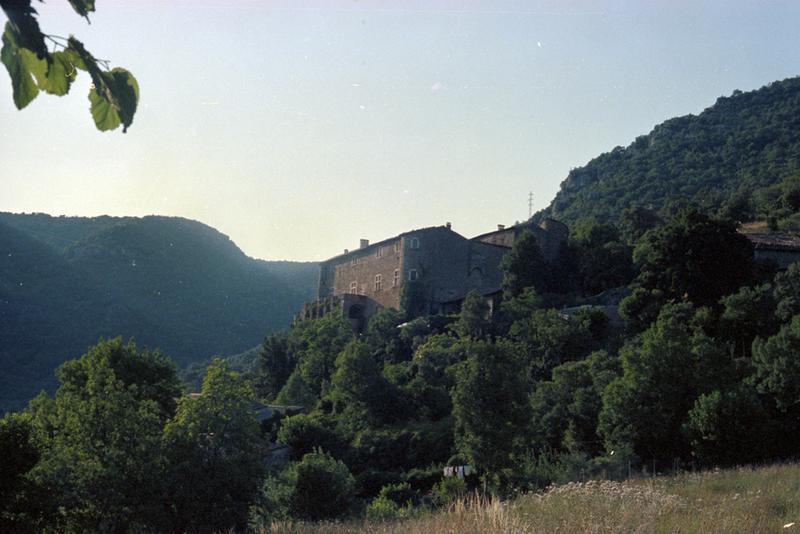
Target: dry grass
746 500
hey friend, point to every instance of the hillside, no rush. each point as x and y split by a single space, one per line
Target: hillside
167 282
748 143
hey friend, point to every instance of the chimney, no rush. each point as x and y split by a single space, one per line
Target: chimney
364 243
346 251
447 225
501 227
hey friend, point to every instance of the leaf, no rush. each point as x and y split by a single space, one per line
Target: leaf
57 78
82 7
120 108
22 20
115 94
13 57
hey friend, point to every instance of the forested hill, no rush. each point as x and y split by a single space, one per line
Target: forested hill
745 144
168 282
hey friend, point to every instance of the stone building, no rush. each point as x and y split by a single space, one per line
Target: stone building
441 265
783 249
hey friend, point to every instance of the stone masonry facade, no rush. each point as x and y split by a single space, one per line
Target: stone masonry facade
442 264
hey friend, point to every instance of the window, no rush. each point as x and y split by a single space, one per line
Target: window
379 252
378 282
396 278
413 242
412 275
397 246
353 288
353 261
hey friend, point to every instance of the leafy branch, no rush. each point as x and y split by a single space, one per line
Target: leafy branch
114 93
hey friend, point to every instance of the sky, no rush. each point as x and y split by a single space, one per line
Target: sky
299 127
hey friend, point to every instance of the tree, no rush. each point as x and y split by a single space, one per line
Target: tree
19 509
694 258
215 453
383 336
634 221
490 406
748 313
359 394
101 453
275 365
603 261
777 366
473 321
550 339
32 67
316 488
524 266
787 292
566 408
316 344
148 375
305 433
663 372
729 428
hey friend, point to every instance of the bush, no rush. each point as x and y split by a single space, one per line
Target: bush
448 490
384 509
318 487
323 488
399 493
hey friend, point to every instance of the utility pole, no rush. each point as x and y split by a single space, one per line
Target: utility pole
530 204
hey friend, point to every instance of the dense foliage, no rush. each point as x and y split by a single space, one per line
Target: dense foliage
700 369
168 282
739 156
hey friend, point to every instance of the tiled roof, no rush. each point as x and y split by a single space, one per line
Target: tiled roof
774 241
384 241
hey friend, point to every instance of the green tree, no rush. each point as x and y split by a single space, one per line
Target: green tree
215 453
603 261
275 365
305 433
550 339
316 344
694 258
359 394
524 266
473 321
21 499
316 488
565 409
777 365
32 67
635 221
383 336
490 406
748 313
729 428
101 455
663 372
787 292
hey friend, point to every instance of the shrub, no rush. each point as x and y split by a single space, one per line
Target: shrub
384 509
448 490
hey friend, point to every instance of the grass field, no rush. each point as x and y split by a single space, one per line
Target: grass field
747 500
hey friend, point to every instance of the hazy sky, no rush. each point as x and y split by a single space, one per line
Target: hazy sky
297 128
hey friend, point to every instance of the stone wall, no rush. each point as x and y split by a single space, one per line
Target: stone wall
360 267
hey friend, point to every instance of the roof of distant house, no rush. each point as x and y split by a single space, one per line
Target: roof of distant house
774 241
